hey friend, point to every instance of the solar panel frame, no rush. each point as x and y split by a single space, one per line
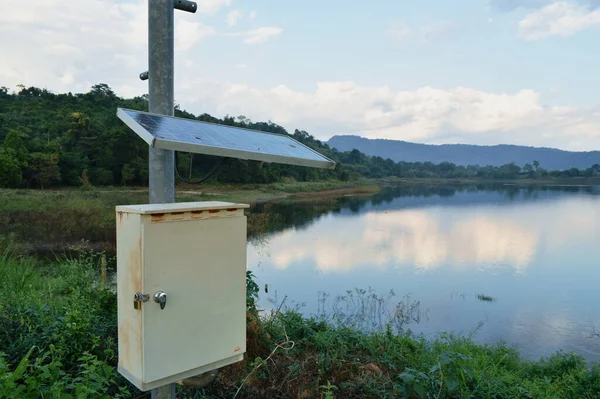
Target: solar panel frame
316 160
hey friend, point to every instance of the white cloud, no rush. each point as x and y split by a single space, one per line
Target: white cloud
78 38
261 35
426 114
234 17
212 6
67 46
399 30
436 29
188 34
558 19
510 5
252 14
61 49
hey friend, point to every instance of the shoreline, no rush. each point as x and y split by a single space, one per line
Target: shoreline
50 221
260 193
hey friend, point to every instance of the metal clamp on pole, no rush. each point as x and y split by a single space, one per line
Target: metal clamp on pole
186 5
144 75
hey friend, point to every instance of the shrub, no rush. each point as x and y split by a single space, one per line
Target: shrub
58 331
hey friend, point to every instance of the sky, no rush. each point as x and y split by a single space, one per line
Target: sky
470 71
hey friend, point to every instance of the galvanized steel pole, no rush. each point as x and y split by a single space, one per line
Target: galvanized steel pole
164 392
161 163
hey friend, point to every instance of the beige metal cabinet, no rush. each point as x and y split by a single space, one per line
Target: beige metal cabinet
195 255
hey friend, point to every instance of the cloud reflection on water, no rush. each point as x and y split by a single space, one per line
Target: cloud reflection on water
479 237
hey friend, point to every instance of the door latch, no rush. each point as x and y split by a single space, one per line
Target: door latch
138 299
160 297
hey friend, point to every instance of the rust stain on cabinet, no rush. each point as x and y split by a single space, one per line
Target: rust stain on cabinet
135 271
177 215
130 325
124 337
157 217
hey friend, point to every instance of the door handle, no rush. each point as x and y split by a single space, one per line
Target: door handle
160 297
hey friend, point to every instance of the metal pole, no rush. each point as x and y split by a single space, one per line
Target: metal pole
161 163
164 392
160 101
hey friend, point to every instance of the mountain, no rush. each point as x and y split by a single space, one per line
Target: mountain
463 154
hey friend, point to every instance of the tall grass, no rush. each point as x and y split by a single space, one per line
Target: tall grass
321 361
291 356
49 220
58 329
40 222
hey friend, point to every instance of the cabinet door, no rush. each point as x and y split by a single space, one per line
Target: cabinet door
201 266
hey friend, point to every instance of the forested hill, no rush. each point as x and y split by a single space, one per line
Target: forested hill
74 139
67 139
462 154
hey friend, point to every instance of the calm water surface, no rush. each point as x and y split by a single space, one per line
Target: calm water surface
519 265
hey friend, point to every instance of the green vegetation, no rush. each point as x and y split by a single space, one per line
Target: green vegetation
58 329
54 220
485 298
49 139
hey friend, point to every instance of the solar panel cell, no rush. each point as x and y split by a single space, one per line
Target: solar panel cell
171 133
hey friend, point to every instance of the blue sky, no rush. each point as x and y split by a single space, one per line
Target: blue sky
481 72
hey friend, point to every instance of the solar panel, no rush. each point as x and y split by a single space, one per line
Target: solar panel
171 133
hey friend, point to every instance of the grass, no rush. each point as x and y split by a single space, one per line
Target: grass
58 329
43 221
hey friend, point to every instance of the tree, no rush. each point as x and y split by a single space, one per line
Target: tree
446 168
102 90
71 164
242 120
356 157
141 169
573 172
508 171
10 168
42 169
536 165
528 168
127 174
79 126
14 141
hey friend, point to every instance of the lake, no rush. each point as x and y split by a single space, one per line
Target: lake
497 263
